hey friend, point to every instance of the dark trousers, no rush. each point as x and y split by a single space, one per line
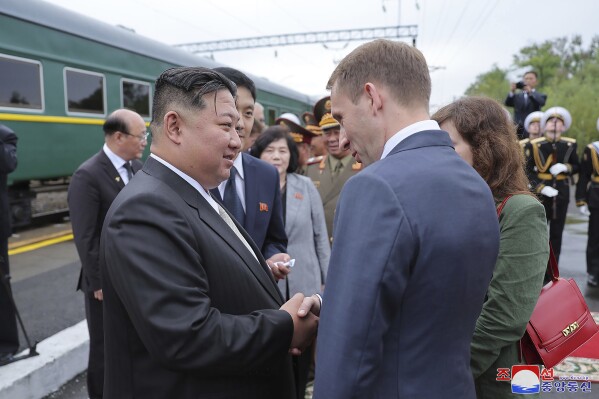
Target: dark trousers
302 366
9 336
593 243
556 216
95 364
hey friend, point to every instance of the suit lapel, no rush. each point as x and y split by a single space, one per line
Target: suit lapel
251 192
209 216
111 173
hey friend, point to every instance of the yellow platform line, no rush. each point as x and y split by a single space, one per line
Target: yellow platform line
41 244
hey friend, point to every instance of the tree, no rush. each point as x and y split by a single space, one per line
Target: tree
569 75
492 84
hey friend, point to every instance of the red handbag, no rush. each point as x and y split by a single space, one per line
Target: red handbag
560 322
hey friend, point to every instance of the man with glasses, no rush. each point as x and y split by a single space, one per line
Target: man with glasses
93 187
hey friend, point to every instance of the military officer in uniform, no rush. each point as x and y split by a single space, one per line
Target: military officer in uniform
302 138
587 201
551 163
330 174
318 147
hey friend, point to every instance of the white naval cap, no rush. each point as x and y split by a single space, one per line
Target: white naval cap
557 112
532 117
290 117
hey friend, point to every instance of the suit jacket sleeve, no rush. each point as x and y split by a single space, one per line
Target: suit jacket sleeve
276 238
321 237
516 283
84 205
509 100
8 153
364 287
170 304
584 177
538 98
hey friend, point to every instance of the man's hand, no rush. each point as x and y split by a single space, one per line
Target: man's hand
310 304
549 191
513 88
557 169
99 295
279 271
304 328
583 209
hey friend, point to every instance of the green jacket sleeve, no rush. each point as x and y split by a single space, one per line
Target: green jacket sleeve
516 283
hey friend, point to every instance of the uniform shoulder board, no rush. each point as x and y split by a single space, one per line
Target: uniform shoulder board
313 160
538 140
568 139
524 141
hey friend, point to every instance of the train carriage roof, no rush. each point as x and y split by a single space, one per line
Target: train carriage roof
61 19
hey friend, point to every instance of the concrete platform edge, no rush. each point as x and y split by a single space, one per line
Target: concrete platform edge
62 357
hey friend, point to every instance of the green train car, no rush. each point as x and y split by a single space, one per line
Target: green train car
62 73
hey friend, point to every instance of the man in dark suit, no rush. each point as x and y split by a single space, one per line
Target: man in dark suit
252 193
407 277
9 336
93 187
526 101
191 309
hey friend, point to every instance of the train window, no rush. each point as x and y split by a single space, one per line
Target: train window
136 96
85 92
21 83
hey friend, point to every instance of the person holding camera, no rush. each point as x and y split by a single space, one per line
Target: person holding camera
525 101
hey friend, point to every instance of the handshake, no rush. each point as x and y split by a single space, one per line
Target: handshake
304 311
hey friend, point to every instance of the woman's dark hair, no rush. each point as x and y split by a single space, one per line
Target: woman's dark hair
274 133
496 153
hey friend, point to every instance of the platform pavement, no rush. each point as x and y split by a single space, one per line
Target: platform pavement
64 355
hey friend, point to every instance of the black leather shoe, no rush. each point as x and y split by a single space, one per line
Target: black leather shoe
592 281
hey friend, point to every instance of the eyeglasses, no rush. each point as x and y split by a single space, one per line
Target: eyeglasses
142 137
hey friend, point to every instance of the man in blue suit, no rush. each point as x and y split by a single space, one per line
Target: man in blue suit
416 240
252 193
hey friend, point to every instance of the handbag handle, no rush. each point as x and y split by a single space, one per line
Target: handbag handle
552 262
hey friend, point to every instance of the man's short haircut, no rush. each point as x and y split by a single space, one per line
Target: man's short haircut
399 66
533 72
115 123
184 87
239 78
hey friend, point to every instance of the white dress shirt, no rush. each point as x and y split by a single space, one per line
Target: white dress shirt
118 162
407 132
191 181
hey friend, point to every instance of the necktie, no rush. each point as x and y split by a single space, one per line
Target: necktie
231 224
338 168
127 166
525 99
231 199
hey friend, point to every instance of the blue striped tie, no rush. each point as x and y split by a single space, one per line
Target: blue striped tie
231 199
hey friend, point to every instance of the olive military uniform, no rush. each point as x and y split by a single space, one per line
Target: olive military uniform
330 182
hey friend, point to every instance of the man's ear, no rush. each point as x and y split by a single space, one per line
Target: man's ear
173 126
374 96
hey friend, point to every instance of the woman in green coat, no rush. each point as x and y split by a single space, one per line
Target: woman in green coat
486 139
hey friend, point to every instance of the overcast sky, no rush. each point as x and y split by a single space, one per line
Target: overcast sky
463 37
